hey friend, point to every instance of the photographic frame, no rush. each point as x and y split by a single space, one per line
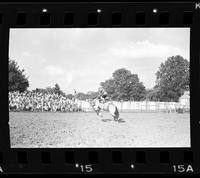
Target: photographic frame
100 160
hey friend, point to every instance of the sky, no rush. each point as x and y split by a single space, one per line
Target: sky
81 58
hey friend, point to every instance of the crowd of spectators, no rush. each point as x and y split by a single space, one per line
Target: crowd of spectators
34 101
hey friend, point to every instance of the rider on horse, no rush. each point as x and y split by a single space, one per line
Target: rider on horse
103 95
100 99
102 102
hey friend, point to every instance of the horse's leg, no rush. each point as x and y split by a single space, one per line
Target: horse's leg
99 113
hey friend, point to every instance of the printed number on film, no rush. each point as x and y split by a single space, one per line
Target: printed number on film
85 168
183 168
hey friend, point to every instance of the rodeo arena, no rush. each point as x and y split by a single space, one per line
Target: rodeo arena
44 120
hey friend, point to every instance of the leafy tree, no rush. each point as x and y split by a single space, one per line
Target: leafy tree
69 96
124 86
92 95
81 96
40 90
56 89
50 90
148 94
172 78
17 79
153 94
88 95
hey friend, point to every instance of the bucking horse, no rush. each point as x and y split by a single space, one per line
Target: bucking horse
107 106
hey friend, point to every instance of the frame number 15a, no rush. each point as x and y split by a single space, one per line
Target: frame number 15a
183 168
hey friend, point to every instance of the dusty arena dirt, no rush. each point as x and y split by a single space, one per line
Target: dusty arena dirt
53 130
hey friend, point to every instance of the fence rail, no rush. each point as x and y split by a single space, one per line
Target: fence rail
142 106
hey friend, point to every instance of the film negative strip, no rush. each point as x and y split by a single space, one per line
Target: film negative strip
106 113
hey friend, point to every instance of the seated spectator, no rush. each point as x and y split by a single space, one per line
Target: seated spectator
33 101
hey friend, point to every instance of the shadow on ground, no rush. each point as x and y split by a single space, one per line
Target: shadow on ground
120 120
106 120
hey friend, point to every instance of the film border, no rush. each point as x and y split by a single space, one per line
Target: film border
116 160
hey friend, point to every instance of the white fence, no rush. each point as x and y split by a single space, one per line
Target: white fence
141 106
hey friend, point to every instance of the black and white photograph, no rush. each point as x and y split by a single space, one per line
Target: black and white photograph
99 87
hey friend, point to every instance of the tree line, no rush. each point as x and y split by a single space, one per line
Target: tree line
172 79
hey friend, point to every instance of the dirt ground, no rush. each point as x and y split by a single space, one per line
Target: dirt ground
65 130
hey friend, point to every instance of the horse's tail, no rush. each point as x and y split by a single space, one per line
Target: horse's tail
114 111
